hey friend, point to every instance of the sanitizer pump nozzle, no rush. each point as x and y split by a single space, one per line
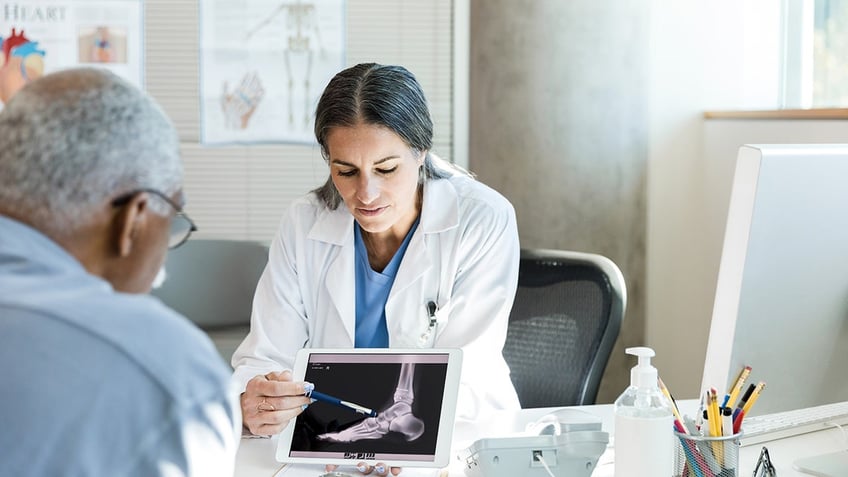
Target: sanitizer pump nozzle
643 375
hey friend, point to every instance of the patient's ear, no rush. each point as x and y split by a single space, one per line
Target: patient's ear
137 244
129 223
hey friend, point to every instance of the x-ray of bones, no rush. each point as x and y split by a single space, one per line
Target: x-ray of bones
397 418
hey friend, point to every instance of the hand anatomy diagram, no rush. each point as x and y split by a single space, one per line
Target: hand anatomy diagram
239 105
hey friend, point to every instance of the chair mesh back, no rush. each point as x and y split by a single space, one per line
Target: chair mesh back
559 316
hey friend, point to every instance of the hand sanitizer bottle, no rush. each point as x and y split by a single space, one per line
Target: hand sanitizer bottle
644 432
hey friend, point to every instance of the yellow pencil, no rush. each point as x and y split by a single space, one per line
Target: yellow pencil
715 418
715 425
754 396
737 387
708 407
671 402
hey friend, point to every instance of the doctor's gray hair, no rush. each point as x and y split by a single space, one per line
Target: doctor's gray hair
382 95
72 141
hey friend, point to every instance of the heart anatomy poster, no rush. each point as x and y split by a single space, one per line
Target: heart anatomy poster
39 37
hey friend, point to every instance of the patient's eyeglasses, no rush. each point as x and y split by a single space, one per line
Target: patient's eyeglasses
764 467
181 227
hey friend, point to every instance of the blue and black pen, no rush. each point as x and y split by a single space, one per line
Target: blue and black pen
338 402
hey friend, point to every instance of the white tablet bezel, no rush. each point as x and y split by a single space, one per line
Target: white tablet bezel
442 455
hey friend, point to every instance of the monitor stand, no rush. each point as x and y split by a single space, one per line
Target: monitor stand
824 465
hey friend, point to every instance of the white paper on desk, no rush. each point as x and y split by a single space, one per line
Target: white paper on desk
304 470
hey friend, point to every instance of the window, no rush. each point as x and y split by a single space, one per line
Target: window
830 54
815 54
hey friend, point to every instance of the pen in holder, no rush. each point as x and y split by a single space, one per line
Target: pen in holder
703 456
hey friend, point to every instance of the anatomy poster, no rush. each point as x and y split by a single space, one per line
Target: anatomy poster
38 37
264 64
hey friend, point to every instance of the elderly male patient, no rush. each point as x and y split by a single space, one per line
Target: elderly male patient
97 377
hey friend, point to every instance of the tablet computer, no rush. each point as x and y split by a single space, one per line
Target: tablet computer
395 406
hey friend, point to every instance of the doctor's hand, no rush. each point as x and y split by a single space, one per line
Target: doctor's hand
379 469
269 402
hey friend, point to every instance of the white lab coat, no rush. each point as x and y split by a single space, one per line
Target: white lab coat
464 256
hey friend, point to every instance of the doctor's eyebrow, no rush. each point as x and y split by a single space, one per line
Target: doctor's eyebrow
378 162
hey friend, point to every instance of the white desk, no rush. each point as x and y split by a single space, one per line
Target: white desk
256 456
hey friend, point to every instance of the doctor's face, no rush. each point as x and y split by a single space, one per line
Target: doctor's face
376 174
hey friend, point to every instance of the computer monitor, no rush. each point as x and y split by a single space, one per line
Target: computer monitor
781 302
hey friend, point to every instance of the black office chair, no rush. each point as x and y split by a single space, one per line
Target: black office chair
566 317
212 283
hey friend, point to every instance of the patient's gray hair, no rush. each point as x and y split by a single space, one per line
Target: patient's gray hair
74 140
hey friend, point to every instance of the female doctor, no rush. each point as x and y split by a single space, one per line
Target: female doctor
358 261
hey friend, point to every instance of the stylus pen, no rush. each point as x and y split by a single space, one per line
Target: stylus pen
338 402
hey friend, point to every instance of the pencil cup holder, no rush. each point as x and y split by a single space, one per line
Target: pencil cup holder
701 456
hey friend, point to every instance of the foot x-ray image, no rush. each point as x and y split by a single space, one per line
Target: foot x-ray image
407 398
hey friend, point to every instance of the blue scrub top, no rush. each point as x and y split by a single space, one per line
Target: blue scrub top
372 291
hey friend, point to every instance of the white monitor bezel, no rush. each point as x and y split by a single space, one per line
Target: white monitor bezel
731 268
785 211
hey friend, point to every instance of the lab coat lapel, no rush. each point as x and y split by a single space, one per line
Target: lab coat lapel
336 228
439 212
416 262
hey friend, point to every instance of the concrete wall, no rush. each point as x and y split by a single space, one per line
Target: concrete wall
558 124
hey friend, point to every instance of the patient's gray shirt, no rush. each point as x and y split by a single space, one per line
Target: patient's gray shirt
96 382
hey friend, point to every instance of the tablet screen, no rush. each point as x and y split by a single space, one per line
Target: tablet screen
391 406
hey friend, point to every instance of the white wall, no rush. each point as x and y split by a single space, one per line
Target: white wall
704 56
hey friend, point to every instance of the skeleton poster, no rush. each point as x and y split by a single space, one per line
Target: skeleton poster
263 66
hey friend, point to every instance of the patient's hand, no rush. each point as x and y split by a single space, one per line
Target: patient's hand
269 402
